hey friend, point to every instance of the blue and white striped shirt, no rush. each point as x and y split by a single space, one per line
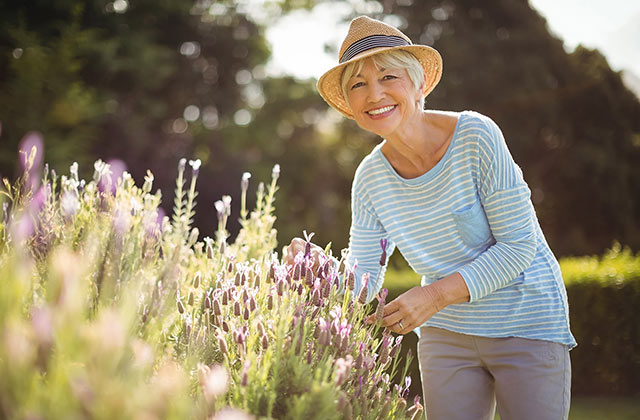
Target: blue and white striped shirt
471 213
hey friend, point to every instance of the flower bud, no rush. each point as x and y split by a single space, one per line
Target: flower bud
180 306
326 289
261 329
264 340
193 237
362 298
238 279
342 368
280 287
246 314
309 278
325 338
351 280
315 297
386 407
222 345
236 308
297 271
270 302
190 300
384 354
209 250
225 297
207 302
402 405
225 326
244 184
310 354
196 279
217 310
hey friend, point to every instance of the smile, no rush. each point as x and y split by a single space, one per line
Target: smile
382 110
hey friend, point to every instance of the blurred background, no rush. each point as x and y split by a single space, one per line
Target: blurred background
233 83
143 83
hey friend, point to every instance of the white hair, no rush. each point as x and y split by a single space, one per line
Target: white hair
393 59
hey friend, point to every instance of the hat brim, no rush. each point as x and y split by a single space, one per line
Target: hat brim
330 87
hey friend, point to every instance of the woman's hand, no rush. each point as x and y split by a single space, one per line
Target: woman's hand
411 309
298 245
415 306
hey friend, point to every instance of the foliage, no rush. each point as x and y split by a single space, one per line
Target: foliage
604 294
109 309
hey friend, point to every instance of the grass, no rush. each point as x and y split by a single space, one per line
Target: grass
602 408
610 408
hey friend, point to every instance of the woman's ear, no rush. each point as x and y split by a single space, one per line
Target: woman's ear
420 89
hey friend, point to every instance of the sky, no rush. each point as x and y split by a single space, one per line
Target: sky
611 26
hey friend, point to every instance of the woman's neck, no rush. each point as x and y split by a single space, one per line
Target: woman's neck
421 146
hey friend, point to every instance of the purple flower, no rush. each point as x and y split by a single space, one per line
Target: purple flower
324 337
362 298
383 244
307 247
382 296
222 344
342 368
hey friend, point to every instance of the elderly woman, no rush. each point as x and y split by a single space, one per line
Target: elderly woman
492 311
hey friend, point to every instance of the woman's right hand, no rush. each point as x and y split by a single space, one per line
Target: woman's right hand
298 245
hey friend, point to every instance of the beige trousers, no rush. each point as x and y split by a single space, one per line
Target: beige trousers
465 377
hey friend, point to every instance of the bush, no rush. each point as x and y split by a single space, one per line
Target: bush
110 310
604 297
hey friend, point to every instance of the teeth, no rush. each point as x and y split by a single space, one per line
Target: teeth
380 110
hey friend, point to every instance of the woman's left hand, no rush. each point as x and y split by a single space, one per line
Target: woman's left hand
410 310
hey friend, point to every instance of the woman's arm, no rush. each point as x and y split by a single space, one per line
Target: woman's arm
415 306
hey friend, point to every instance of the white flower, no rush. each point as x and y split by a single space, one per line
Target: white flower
195 164
74 170
69 204
136 206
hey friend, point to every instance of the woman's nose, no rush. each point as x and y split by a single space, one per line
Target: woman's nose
375 92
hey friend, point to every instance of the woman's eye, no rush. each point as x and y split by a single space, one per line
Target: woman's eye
389 77
357 85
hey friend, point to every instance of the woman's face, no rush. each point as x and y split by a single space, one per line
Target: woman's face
382 100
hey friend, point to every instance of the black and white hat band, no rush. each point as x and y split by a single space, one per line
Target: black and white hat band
372 41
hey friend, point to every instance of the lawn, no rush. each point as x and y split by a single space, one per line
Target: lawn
603 408
600 408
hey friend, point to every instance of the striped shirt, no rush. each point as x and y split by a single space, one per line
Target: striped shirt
472 214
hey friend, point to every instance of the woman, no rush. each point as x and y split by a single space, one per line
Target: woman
442 186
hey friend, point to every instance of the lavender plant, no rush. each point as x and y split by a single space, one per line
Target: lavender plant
110 309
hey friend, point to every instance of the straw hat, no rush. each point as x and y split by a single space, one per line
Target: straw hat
367 37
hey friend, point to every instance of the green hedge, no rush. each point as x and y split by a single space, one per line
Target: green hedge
604 307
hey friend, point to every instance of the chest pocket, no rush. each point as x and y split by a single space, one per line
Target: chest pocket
472 225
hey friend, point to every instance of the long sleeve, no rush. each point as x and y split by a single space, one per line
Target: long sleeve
505 198
364 241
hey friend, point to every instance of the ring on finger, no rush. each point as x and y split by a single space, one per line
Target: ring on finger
401 325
